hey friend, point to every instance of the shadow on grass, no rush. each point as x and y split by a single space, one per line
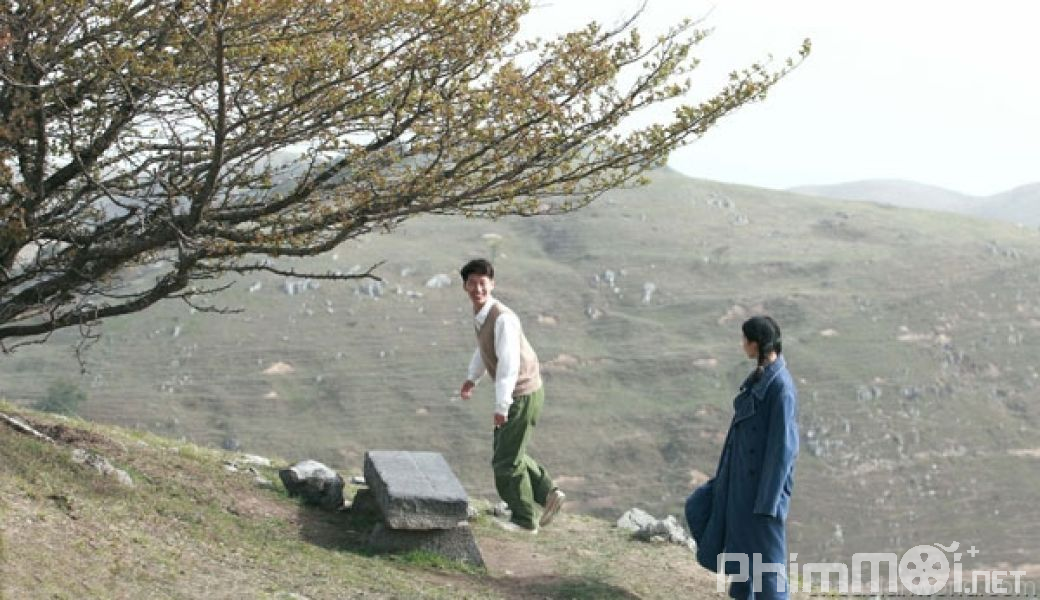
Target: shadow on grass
562 588
341 530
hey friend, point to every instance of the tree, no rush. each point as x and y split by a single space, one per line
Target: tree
202 137
62 397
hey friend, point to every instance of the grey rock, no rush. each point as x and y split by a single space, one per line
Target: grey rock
315 483
667 529
456 543
647 528
364 504
635 519
415 490
101 465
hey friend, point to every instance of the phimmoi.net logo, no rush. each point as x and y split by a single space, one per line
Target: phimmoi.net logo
925 570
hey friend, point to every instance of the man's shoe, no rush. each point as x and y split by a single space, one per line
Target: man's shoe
553 504
515 527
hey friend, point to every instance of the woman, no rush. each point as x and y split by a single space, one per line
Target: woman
742 510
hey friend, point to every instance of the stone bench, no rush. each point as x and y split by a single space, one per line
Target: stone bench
422 504
415 490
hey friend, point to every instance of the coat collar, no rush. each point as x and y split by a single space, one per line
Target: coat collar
758 388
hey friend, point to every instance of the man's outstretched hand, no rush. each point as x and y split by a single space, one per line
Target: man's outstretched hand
467 390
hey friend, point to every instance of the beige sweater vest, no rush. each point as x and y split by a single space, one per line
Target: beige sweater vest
530 378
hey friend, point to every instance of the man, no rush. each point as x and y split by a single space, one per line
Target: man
503 351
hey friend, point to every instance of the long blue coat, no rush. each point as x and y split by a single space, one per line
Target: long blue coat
743 509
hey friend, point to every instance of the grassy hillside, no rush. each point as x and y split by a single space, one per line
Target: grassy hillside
912 335
188 528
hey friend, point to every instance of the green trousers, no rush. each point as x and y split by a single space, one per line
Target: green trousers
520 480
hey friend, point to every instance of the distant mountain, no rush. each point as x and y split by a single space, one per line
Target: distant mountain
1020 205
897 192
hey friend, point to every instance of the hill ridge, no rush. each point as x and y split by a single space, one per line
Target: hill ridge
1015 205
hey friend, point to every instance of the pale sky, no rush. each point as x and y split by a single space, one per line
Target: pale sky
942 92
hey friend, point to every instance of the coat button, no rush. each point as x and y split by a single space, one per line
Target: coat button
752 450
751 472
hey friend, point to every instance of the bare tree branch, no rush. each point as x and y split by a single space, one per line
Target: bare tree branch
194 137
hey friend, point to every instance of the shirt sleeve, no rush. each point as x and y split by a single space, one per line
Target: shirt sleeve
476 368
507 347
780 451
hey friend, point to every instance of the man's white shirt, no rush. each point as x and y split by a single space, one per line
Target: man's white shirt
507 347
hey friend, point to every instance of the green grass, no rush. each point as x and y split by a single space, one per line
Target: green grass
188 528
436 562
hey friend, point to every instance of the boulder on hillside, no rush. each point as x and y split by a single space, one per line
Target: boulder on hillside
635 519
649 529
315 483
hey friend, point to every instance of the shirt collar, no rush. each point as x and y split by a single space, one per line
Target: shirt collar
481 316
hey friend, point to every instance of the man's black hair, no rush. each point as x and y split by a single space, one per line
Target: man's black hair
477 266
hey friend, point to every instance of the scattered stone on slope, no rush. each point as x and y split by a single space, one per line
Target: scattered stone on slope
315 483
279 368
101 465
635 519
370 288
293 287
647 528
592 312
716 200
648 291
438 281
